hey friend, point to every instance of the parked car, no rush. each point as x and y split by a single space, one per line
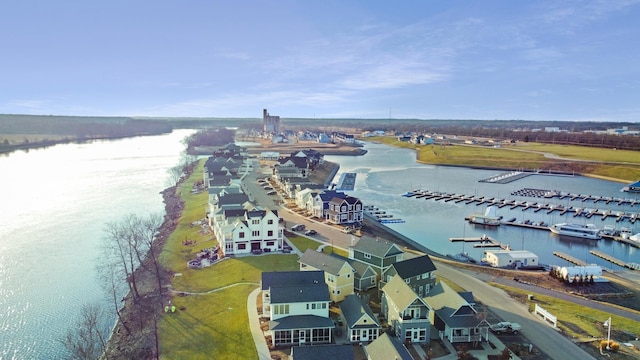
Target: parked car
268 188
506 326
297 227
310 232
272 192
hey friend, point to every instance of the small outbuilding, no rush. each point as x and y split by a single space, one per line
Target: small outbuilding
511 258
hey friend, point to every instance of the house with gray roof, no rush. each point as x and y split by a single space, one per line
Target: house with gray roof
407 313
338 273
345 210
322 352
378 253
360 322
386 347
454 317
365 277
417 272
298 308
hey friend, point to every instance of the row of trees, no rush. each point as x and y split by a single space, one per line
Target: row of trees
130 256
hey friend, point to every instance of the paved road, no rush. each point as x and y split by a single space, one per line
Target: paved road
543 336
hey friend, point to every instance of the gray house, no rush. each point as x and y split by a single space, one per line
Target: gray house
361 324
407 313
378 253
454 317
417 272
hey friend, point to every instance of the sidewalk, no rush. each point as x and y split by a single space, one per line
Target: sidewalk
254 324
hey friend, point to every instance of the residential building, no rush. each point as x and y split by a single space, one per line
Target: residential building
242 231
407 313
365 277
345 210
298 308
338 273
417 272
386 347
322 352
454 317
378 253
321 202
360 322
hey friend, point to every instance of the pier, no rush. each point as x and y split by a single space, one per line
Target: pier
381 215
616 261
569 258
549 208
482 242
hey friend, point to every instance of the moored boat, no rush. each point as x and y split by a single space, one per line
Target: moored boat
490 217
586 231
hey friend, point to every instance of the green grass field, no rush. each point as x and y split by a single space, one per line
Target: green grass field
617 165
212 323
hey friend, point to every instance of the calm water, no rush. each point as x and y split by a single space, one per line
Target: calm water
55 203
385 173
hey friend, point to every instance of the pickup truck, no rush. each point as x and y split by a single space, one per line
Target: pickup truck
506 326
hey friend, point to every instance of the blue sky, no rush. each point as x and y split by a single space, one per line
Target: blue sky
509 59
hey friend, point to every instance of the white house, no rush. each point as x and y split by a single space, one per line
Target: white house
246 231
298 307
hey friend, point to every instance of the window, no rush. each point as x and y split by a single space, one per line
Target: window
255 222
348 276
324 305
270 233
407 280
418 277
241 235
425 275
270 222
270 243
242 246
255 233
313 306
344 208
367 256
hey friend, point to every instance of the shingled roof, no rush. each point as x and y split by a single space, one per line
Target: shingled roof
321 261
414 266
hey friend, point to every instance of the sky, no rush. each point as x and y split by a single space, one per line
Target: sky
425 59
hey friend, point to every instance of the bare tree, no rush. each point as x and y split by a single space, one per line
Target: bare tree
88 339
108 275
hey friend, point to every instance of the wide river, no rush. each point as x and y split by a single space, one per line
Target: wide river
55 203
385 173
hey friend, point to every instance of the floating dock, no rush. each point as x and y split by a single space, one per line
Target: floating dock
569 258
481 242
381 215
537 207
616 261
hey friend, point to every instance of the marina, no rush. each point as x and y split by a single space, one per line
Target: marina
548 208
381 215
483 241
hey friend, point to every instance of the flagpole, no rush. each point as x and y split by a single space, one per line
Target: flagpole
609 333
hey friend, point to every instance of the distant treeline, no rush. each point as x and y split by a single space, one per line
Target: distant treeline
80 127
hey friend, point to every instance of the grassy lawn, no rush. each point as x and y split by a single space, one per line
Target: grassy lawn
213 323
529 156
575 320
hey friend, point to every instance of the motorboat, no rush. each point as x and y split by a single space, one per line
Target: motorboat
586 231
489 217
